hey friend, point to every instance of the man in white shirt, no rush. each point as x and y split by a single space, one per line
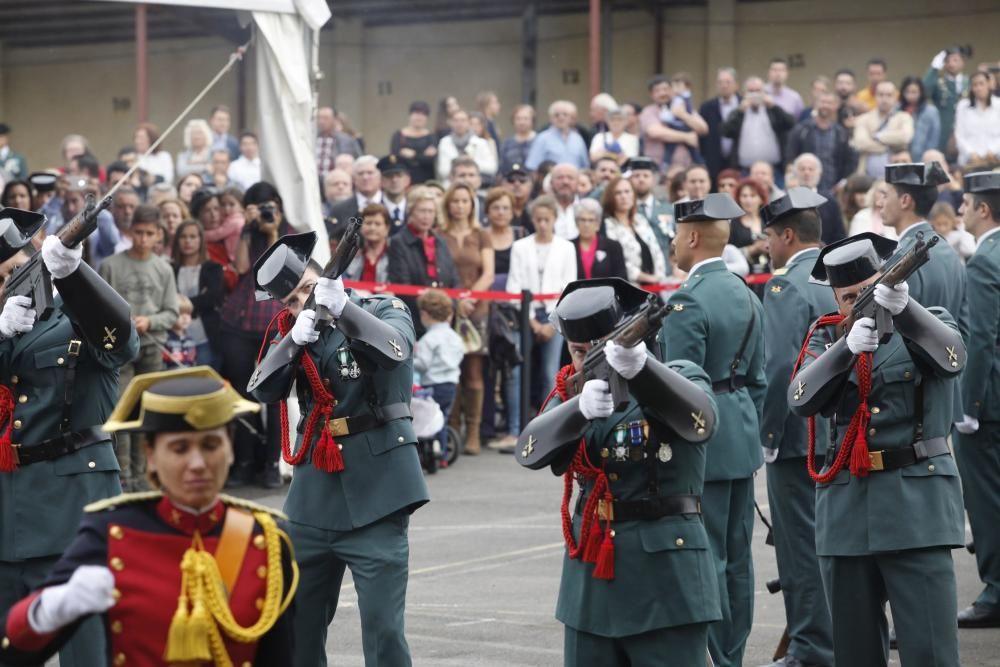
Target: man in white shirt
462 141
367 190
245 170
562 184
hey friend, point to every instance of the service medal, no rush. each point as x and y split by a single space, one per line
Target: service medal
665 452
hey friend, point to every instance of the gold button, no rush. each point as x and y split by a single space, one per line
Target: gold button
401 439
931 468
605 453
339 446
876 410
117 564
259 603
14 379
262 571
954 364
60 361
4 643
116 594
613 533
109 346
23 398
259 542
679 541
91 465
613 477
907 375
872 431
701 431
17 423
770 436
120 659
116 532
116 627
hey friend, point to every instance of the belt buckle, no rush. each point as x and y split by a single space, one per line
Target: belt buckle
14 449
605 510
875 460
74 348
339 427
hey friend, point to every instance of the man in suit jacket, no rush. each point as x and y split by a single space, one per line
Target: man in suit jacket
759 129
715 148
642 173
367 190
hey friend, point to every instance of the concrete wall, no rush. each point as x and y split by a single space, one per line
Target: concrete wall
373 73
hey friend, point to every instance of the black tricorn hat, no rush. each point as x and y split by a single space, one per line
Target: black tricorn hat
17 226
916 174
796 199
851 260
590 309
183 399
716 206
640 162
982 181
278 271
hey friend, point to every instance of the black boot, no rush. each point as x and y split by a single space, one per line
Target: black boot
241 474
979 616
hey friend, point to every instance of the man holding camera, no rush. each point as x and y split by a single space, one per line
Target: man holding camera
946 85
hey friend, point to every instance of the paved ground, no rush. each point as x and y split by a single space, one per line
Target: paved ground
485 561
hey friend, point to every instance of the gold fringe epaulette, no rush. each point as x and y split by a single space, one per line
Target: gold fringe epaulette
122 499
242 503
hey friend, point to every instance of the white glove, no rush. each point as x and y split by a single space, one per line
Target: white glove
628 361
938 61
88 591
595 399
893 299
17 317
770 455
862 337
60 260
331 295
968 425
304 330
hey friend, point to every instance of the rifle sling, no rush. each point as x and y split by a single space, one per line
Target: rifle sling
69 379
233 543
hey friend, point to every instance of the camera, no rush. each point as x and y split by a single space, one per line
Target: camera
267 214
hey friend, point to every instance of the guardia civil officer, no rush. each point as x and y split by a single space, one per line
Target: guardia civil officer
791 304
977 447
638 584
357 473
717 323
59 384
888 500
181 575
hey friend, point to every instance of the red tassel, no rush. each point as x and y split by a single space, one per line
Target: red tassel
326 455
860 461
605 568
7 463
592 546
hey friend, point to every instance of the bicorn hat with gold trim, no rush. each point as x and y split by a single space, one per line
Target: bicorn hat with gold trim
185 399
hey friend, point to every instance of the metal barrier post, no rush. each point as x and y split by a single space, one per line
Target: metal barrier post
526 341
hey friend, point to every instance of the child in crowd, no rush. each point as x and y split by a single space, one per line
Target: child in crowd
681 85
180 350
231 202
439 353
945 222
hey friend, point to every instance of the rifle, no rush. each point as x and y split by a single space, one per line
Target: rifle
646 321
287 351
33 280
896 270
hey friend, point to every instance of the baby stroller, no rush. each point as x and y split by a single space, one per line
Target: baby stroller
427 422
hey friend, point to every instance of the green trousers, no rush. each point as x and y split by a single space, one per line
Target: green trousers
378 555
129 446
87 646
978 459
727 507
791 494
680 646
919 584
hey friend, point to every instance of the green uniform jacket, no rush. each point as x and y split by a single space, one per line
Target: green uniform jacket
711 313
981 377
940 282
791 305
945 94
41 504
913 507
664 573
382 471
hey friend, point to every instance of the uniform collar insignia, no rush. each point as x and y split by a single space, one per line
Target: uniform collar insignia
186 520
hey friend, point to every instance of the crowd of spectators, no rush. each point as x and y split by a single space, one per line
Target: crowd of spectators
452 203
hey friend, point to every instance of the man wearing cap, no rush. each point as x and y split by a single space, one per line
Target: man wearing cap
642 173
717 322
638 583
182 575
395 183
946 85
12 164
357 473
58 383
888 498
793 227
518 181
977 447
43 186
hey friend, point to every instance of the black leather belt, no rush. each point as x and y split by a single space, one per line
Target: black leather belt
381 414
730 384
58 446
646 509
892 459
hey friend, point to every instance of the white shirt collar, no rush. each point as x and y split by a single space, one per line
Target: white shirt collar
694 269
986 235
791 260
364 201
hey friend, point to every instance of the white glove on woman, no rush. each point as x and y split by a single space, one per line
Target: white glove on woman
331 295
17 317
862 337
968 425
88 591
938 61
304 330
893 299
628 361
60 260
595 399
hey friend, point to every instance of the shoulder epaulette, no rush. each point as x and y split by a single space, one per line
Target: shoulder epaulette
122 499
780 272
233 501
